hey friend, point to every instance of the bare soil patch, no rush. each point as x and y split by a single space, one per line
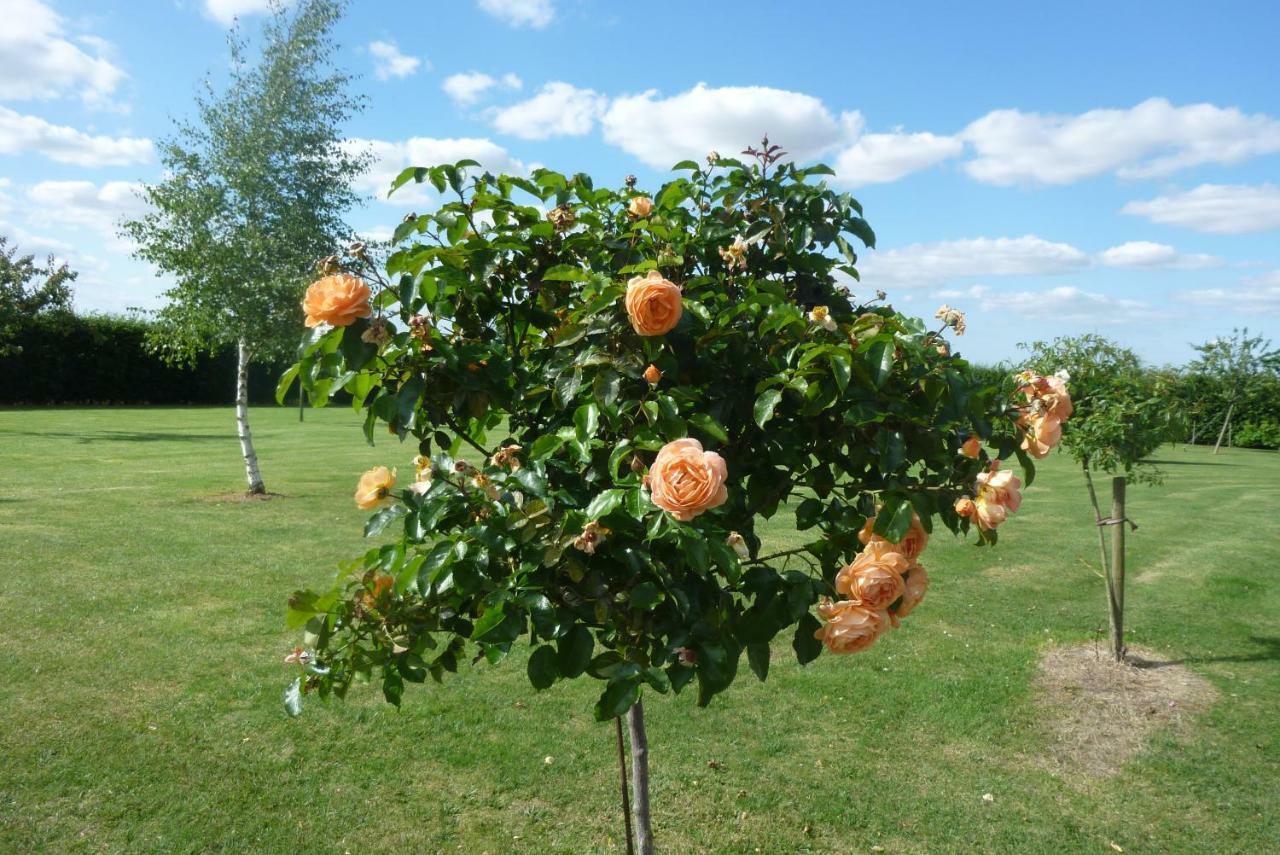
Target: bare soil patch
219 498
1099 712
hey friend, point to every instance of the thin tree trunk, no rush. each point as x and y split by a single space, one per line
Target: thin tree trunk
1097 518
1225 423
640 779
1117 567
252 474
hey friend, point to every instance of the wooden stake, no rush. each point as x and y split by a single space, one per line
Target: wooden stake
1116 588
626 793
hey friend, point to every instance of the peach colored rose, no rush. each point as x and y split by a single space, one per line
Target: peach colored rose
653 375
640 206
874 579
338 300
999 494
1041 434
1048 395
653 304
916 582
910 547
374 486
849 627
972 447
964 506
685 481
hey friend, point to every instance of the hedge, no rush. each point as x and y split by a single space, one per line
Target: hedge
101 359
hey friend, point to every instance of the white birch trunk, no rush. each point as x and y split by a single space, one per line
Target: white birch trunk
252 474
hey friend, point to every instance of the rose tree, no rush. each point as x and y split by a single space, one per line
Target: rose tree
609 393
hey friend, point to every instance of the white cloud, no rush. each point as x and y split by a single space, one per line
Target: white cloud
389 62
1151 139
83 203
558 110
225 12
520 13
1064 303
661 131
19 134
1146 254
37 60
1256 295
391 158
937 263
1224 209
470 87
879 158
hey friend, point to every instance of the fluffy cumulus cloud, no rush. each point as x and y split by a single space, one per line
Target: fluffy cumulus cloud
390 159
1222 209
389 62
225 12
1256 295
1153 139
20 133
39 60
1066 303
879 158
471 87
661 131
925 264
520 13
1155 256
84 204
558 110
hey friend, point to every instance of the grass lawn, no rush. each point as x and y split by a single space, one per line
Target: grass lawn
141 674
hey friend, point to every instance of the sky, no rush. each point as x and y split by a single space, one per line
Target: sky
1050 169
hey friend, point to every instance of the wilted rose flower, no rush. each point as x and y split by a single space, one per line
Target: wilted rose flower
337 300
849 627
640 206
653 304
593 534
953 318
652 375
374 486
562 217
713 157
686 481
506 457
738 544
299 656
482 483
356 249
378 332
821 316
735 254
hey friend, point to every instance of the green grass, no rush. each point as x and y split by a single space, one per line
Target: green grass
141 674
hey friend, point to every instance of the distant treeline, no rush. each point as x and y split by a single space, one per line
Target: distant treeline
63 358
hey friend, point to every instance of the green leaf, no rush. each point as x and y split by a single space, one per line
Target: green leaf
543 667
709 426
565 273
880 361
286 381
618 697
805 644
894 519
758 657
293 698
646 595
605 503
586 421
573 652
808 513
383 518
545 445
765 405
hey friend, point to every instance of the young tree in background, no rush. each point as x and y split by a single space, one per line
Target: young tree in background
1122 413
28 289
254 192
1233 363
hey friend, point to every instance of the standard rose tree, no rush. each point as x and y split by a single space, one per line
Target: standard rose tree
608 394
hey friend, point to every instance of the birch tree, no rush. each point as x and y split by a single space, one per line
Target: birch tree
255 190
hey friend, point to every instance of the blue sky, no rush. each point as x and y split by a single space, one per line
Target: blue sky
1109 167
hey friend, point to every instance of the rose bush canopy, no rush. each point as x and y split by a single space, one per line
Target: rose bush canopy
605 392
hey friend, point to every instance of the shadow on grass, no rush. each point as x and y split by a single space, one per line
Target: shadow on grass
127 436
1270 653
1156 462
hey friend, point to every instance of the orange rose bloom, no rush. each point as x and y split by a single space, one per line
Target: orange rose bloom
338 300
652 375
640 206
972 447
910 547
653 304
999 494
849 627
917 582
1041 434
374 486
1051 392
685 480
874 579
